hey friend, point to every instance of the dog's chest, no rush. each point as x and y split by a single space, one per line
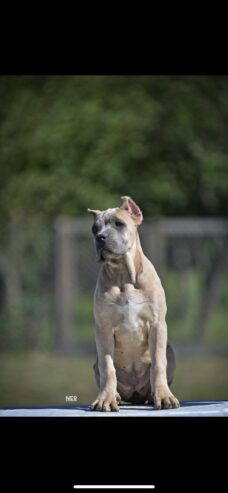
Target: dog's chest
130 315
130 309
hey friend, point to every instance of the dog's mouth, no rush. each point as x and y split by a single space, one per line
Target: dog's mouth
104 254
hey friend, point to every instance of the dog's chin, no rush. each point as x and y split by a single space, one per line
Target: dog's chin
104 254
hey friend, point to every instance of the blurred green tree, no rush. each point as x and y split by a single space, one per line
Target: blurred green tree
72 142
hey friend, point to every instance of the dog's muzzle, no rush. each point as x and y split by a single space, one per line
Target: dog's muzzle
100 241
100 245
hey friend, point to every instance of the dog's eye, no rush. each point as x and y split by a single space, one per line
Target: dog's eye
119 224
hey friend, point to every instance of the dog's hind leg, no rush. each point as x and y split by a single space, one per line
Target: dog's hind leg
171 363
96 373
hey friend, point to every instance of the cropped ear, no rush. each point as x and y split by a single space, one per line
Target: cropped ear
133 209
94 212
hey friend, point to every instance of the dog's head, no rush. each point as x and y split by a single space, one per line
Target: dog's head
114 229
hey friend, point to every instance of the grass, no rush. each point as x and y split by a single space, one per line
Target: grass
201 378
44 379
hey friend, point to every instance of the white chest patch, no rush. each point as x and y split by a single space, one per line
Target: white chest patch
130 313
129 309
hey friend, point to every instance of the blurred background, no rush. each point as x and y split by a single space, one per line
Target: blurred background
72 142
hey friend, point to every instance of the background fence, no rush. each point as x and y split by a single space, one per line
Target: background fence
47 279
69 142
48 275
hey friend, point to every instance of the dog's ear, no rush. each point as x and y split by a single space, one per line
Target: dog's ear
133 209
94 212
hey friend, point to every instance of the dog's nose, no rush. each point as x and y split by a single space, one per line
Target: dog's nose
101 238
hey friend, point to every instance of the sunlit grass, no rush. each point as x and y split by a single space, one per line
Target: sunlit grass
43 379
201 378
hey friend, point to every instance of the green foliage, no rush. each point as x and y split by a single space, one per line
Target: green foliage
30 321
69 142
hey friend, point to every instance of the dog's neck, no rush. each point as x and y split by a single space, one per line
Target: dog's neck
127 266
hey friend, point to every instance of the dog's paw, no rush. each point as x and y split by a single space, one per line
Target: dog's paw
105 403
164 399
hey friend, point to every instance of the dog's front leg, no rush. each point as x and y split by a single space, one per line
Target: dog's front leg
106 400
162 396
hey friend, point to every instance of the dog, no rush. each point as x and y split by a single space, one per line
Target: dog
135 363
